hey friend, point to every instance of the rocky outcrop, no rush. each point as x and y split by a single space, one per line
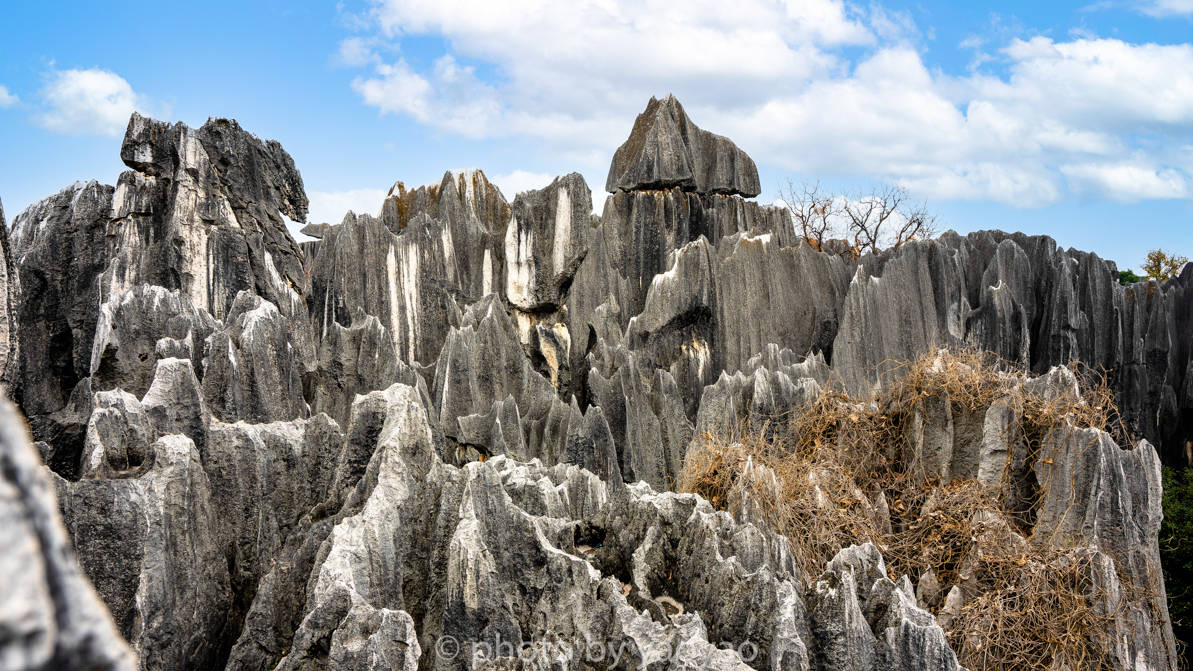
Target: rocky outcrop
545 243
144 324
458 422
59 248
252 371
475 214
50 616
408 281
666 149
201 211
1030 302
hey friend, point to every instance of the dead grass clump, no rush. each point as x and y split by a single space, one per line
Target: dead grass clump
845 471
1035 608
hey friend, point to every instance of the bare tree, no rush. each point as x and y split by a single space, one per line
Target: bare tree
816 215
885 219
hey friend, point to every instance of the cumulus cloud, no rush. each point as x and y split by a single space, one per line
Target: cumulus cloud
7 99
820 87
1128 182
329 207
87 102
513 183
451 97
1164 8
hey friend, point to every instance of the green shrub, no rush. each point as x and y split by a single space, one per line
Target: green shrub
1126 277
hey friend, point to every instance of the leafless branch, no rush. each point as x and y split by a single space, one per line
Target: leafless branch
814 213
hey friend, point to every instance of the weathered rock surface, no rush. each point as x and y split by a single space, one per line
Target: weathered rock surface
476 215
201 211
50 616
59 248
666 149
545 243
460 418
1025 299
9 303
408 281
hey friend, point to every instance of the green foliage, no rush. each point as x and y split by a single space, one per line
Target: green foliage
1176 550
1161 265
1126 277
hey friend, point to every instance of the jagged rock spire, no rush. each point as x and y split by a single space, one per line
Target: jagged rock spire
665 149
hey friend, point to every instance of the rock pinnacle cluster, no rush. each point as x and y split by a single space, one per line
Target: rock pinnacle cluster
461 420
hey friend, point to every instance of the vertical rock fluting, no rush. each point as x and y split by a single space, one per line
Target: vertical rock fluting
50 616
458 420
1033 303
201 211
10 351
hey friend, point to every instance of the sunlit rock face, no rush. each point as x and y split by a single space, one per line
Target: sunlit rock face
463 417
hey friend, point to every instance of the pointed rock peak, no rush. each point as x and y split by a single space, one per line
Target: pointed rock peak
665 150
458 192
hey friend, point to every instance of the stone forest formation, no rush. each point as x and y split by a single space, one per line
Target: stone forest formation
457 434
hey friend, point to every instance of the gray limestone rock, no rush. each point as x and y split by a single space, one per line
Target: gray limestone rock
50 616
545 242
666 149
10 287
201 211
408 281
1097 494
458 418
354 359
58 247
251 369
140 326
476 216
150 544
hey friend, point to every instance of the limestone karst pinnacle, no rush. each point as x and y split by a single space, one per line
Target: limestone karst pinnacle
462 420
665 149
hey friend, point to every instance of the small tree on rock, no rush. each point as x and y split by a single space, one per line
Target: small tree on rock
1161 265
885 219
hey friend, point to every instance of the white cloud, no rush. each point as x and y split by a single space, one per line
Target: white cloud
329 207
1129 182
85 102
452 99
1012 140
7 99
1165 8
778 78
511 184
356 52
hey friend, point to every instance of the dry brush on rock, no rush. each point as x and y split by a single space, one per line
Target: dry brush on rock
465 420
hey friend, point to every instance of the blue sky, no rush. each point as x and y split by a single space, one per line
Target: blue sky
1071 119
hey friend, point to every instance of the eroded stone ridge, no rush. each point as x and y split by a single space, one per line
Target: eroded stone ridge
465 418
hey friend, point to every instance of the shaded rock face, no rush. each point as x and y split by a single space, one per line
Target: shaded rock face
59 248
461 420
474 212
50 616
1025 299
545 242
408 281
666 149
201 211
